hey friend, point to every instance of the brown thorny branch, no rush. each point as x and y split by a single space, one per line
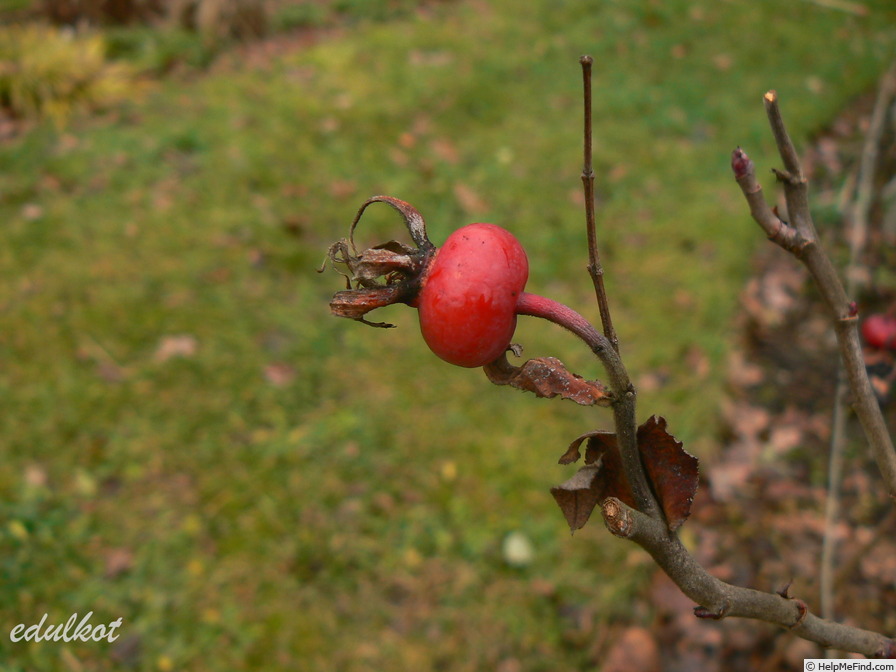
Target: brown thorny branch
644 524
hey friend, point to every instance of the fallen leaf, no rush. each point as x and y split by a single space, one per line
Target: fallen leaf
742 372
342 189
634 649
117 561
509 665
769 299
32 212
279 374
446 150
180 345
729 478
469 201
110 371
35 476
698 363
722 61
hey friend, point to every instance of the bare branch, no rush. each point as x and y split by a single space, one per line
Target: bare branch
718 599
842 311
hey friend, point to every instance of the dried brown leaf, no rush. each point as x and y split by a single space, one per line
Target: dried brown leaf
117 561
445 149
178 345
578 496
634 649
279 374
670 469
573 453
470 201
547 377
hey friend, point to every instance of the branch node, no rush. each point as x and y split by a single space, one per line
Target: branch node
852 313
617 517
802 612
717 615
787 177
888 650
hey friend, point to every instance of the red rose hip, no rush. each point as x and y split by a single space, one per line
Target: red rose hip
879 331
467 303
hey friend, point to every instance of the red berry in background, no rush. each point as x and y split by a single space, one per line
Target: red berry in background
468 298
879 331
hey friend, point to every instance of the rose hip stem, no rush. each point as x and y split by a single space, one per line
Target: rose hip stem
624 406
553 311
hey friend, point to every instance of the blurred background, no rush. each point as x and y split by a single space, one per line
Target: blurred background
190 442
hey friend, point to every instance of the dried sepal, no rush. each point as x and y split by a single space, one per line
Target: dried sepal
547 377
384 274
356 303
412 218
381 265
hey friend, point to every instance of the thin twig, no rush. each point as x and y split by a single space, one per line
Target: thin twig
594 266
624 392
832 505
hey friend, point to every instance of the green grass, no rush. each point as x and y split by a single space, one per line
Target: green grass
351 517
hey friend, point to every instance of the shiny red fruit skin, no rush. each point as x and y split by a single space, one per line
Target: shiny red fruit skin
879 331
468 299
